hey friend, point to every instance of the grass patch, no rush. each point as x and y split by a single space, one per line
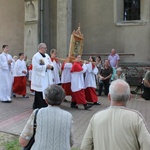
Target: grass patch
14 145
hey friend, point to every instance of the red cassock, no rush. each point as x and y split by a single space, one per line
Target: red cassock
90 94
19 85
79 97
67 88
90 83
30 67
77 83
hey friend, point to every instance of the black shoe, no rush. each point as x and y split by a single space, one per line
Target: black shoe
74 106
25 96
65 100
6 101
14 95
97 103
87 106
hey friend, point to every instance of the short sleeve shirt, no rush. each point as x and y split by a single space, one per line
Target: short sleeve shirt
147 76
28 129
113 59
106 72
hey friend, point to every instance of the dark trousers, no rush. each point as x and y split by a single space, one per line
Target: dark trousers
39 102
105 84
146 93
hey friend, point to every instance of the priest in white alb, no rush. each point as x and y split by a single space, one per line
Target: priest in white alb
42 75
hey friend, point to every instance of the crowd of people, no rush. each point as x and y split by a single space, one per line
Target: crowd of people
77 78
50 81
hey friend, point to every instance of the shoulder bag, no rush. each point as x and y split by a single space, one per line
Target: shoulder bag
28 147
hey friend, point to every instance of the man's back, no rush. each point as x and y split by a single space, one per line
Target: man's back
117 128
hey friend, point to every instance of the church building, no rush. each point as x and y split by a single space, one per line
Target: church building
120 24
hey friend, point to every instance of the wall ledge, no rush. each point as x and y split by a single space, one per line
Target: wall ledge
132 23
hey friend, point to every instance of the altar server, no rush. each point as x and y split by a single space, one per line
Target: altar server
77 84
90 82
66 77
42 75
29 79
20 72
5 75
57 66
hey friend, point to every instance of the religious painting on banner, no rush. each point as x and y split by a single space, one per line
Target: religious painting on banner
76 43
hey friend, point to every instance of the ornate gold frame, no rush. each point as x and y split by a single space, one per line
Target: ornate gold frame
76 43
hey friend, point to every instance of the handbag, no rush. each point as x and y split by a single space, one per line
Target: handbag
28 147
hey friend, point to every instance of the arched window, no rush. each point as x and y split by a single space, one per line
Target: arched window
131 10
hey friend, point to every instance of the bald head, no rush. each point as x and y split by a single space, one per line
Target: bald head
119 90
113 51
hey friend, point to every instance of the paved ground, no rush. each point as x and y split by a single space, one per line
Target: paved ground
13 116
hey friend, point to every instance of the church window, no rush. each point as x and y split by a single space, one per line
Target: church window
131 10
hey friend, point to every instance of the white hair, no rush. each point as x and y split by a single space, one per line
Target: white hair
41 45
119 90
119 69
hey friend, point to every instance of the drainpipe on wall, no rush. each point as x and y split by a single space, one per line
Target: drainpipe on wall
41 20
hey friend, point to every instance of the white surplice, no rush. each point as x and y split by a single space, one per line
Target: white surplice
66 74
20 65
90 76
30 75
5 77
41 77
77 80
13 66
57 69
